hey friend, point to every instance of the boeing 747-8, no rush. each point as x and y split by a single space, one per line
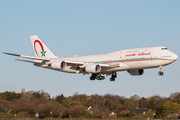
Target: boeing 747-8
132 60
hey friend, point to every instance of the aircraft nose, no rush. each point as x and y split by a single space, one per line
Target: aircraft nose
175 57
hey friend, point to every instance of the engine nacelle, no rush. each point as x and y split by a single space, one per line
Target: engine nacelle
93 68
136 72
58 65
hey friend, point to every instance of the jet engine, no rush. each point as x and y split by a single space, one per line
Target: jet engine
136 72
58 65
93 68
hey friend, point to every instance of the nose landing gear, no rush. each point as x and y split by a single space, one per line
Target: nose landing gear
161 72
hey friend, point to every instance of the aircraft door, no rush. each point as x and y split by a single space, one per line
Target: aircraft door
151 57
121 57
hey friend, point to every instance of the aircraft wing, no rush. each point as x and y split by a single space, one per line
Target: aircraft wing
81 65
74 64
114 66
30 57
37 60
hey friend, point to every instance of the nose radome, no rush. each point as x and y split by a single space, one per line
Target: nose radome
175 56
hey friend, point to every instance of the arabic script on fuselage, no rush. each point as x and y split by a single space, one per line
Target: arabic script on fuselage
138 54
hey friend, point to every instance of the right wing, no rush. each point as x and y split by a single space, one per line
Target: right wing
79 65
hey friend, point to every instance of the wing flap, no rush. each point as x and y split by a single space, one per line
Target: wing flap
109 65
74 62
39 62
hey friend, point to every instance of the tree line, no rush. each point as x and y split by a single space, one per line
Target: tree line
29 104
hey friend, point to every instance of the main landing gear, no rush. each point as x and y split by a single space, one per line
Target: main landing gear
113 76
97 76
161 72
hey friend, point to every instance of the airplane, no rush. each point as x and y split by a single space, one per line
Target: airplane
134 61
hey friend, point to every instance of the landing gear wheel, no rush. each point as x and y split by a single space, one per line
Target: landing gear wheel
100 78
97 76
113 76
93 77
112 79
160 73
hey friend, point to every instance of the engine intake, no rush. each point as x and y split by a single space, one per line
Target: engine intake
93 68
136 72
58 65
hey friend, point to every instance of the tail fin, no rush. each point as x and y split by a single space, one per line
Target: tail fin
40 49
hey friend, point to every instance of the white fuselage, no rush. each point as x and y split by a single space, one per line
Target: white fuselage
140 58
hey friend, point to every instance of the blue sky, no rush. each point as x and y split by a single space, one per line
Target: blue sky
80 27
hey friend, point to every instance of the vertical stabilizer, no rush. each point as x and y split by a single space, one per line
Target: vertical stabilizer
40 49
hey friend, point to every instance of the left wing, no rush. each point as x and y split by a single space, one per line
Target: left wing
30 57
37 60
75 65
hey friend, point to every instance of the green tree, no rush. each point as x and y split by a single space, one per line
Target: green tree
12 95
122 102
65 114
36 95
6 115
65 103
160 112
149 114
79 112
143 102
175 97
59 98
95 101
100 114
116 104
107 104
83 99
23 115
2 108
131 103
152 104
57 111
135 97
171 107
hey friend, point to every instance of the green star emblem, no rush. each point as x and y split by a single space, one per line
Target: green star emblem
43 53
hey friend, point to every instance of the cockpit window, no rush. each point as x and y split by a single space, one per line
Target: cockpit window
163 48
